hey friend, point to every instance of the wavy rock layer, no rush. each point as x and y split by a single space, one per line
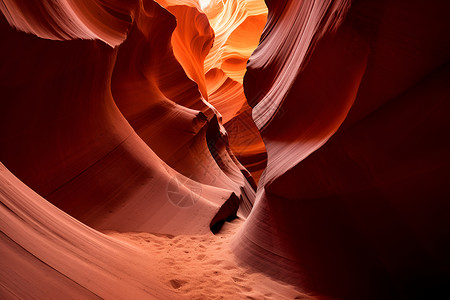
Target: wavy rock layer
47 254
62 20
104 134
352 111
173 120
137 116
236 27
97 168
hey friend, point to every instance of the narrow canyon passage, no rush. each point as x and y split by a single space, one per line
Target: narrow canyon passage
224 149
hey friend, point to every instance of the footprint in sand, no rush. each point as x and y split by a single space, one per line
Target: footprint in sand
201 256
177 283
134 238
169 260
237 279
245 288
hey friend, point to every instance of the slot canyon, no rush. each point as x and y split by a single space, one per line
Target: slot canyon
225 149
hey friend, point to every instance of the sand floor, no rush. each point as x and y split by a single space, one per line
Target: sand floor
203 267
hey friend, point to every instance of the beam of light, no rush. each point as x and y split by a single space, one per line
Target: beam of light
204 3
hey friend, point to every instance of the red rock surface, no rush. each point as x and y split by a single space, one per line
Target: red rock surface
331 145
354 201
47 254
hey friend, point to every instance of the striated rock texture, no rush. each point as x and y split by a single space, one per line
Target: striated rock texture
46 254
64 136
235 26
331 142
101 119
352 101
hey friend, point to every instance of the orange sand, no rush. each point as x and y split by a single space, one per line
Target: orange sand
203 267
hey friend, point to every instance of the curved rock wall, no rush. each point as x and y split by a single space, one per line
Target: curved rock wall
353 202
64 136
137 116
